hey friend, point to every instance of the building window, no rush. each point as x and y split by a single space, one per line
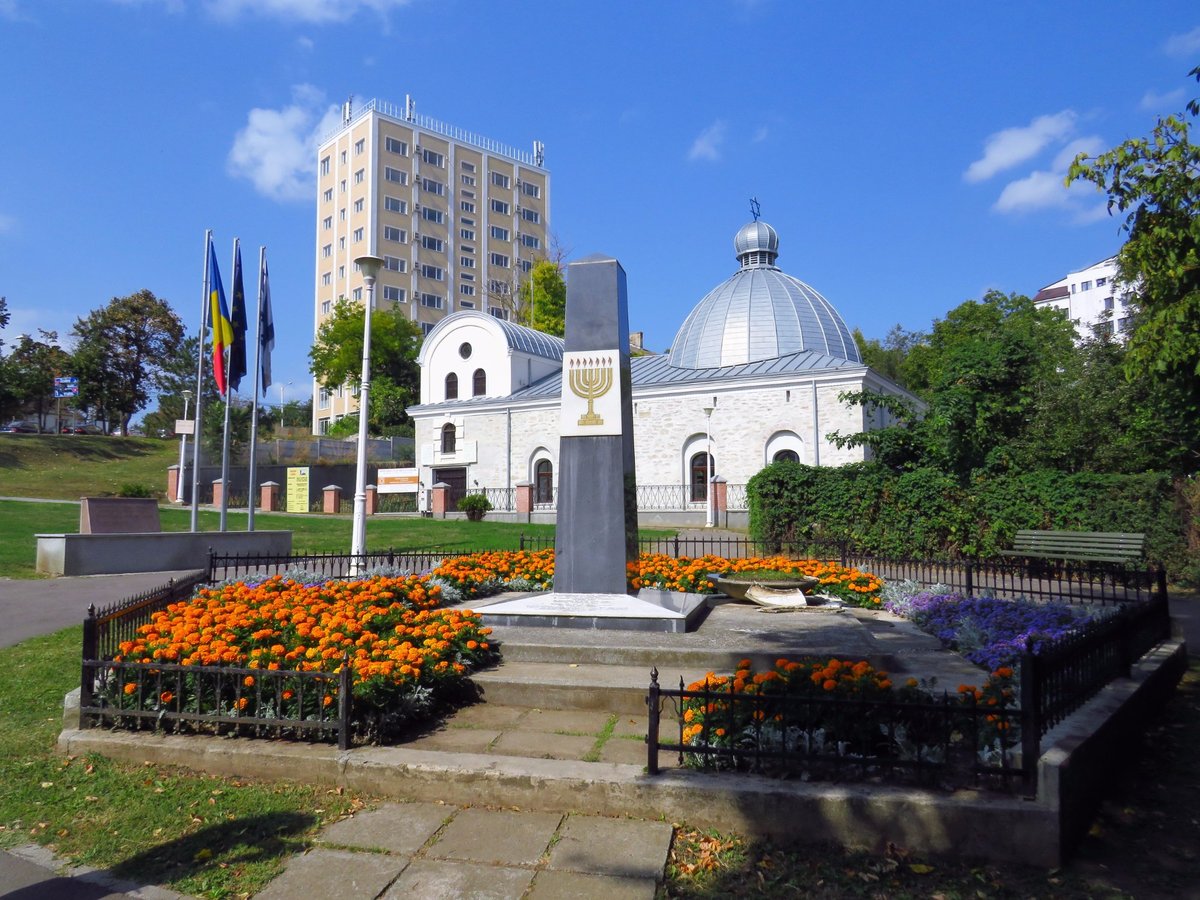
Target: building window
498 312
1102 328
543 480
342 214
466 234
467 290
323 426
395 175
470 195
498 259
1108 302
326 278
358 205
433 187
531 215
698 476
529 189
358 234
429 214
786 456
359 146
499 179
466 262
468 166
434 272
467 206
449 437
395 145
359 176
342 186
479 383
500 234
501 207
324 165
356 295
451 386
327 251
394 263
394 204
496 286
323 398
326 307
433 159
328 195
465 305
530 241
1125 324
432 243
426 327
466 276
341 272
468 180
394 294
432 301
341 243
1101 282
342 156
525 266
393 234
327 222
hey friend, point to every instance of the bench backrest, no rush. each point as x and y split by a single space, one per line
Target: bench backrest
1097 546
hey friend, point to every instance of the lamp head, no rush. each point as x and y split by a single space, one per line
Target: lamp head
369 266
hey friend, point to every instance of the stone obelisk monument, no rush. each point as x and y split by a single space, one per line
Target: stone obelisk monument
597 529
597 493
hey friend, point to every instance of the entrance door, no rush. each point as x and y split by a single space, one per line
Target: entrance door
457 479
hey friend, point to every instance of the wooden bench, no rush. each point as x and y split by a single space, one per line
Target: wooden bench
1078 546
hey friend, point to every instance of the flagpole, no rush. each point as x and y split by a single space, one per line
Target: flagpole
200 387
228 403
262 257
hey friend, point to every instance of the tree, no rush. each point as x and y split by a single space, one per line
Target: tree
178 374
119 354
30 371
889 357
543 298
336 359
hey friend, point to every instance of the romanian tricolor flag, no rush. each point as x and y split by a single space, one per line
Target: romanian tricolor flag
218 320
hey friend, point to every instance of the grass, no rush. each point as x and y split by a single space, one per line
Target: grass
205 836
67 467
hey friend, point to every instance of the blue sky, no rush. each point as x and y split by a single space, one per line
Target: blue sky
909 155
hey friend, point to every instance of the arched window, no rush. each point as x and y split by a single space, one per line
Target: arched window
543 478
448 438
698 471
451 386
479 383
786 456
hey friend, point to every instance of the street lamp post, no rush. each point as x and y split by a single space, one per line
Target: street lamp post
187 395
708 497
369 266
282 420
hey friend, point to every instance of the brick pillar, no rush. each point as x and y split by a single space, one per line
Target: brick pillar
372 499
331 499
173 484
218 492
525 497
269 496
441 499
720 500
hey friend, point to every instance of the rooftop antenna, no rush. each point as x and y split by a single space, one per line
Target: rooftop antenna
755 209
347 108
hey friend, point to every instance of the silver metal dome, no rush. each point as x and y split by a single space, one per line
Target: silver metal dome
760 313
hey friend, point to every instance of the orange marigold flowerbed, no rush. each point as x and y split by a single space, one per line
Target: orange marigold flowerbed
480 574
793 707
402 649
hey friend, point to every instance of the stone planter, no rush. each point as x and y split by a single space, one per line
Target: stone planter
735 587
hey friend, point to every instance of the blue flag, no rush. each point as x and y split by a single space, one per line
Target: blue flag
237 319
266 324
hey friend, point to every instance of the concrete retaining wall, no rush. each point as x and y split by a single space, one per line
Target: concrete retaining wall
115 554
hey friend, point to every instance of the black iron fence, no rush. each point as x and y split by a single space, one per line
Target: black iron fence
217 700
226 566
106 628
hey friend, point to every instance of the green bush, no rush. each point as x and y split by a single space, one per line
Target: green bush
134 489
475 506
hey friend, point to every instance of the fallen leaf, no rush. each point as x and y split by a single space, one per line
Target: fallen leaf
47 784
202 855
920 868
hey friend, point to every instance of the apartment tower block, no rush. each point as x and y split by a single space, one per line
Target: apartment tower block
459 220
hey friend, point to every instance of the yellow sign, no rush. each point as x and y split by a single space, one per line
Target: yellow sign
297 489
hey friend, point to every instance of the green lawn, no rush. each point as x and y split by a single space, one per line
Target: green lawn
67 467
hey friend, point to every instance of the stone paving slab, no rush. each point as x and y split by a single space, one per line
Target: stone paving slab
633 753
553 885
565 721
489 715
428 879
625 847
396 828
631 725
497 836
335 873
538 745
456 740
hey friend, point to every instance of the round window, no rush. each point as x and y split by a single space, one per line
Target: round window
464 350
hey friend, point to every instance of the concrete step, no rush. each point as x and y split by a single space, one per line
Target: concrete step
582 686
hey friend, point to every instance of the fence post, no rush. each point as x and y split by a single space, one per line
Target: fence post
86 679
652 704
211 570
970 579
522 546
1161 583
1125 636
345 704
1031 720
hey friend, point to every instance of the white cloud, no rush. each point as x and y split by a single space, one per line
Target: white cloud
707 145
305 43
1152 102
761 134
1037 190
277 147
170 6
1013 146
311 11
1183 44
1091 145
9 9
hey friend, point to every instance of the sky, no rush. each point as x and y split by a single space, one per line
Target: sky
911 156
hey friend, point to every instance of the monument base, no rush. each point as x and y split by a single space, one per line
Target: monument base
650 610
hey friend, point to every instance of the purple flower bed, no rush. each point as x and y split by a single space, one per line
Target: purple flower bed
987 631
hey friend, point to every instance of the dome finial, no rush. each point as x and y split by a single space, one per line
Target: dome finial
755 209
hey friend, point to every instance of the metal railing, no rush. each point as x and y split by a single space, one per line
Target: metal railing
327 566
106 628
666 497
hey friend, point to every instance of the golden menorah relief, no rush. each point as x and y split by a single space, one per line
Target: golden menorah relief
590 379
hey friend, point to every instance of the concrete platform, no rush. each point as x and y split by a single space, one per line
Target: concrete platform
649 611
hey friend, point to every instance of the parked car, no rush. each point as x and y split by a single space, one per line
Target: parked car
20 428
81 429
